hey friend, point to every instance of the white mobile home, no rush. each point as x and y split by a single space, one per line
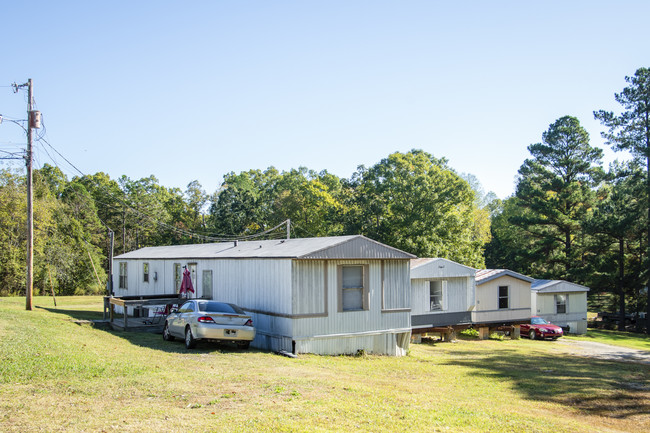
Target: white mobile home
502 296
561 303
442 293
330 295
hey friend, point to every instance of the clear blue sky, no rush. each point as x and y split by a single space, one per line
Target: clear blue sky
193 90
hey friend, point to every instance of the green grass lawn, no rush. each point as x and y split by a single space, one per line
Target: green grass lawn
616 338
57 375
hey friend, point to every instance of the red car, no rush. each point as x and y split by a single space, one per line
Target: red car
540 328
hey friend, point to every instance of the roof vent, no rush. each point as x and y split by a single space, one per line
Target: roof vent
236 243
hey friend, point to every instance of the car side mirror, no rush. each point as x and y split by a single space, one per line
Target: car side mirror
174 310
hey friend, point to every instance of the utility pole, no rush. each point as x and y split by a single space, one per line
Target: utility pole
288 228
33 122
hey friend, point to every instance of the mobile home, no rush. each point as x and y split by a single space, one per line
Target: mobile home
329 295
561 303
442 294
502 297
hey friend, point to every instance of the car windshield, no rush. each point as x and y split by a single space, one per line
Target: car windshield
219 307
538 321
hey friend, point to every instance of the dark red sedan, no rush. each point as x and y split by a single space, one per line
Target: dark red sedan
540 328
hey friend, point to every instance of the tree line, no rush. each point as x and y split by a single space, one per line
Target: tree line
570 218
412 201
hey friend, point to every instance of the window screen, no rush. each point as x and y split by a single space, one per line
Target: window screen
352 287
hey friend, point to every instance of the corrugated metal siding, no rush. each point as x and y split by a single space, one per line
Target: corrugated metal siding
353 322
395 344
308 279
397 292
253 284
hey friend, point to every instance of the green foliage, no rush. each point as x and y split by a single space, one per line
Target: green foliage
630 131
553 198
469 333
415 202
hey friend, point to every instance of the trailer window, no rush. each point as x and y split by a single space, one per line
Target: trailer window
435 295
123 276
504 301
353 287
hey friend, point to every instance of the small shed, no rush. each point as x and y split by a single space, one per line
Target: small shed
561 303
442 294
502 297
329 295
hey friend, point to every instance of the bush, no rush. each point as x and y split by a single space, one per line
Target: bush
470 333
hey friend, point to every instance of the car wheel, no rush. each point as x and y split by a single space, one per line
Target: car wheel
531 334
190 341
166 335
243 344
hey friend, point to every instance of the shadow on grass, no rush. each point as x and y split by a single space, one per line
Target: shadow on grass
75 314
615 335
594 387
148 339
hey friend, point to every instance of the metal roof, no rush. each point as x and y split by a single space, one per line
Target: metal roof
557 286
439 268
334 247
485 275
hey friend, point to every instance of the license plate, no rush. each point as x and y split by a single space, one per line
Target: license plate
230 332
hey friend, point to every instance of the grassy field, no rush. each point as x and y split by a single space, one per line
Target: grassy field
57 375
616 338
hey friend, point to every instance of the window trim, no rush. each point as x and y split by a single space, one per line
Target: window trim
500 297
566 299
439 283
123 278
365 291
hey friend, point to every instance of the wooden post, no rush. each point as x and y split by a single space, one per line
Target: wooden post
30 201
515 334
484 332
125 316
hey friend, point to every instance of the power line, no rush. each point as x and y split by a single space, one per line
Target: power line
191 234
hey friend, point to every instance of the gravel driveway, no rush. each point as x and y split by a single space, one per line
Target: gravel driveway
606 351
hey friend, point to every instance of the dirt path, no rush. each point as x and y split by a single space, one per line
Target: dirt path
606 351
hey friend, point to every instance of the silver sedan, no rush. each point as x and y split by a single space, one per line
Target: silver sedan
198 319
